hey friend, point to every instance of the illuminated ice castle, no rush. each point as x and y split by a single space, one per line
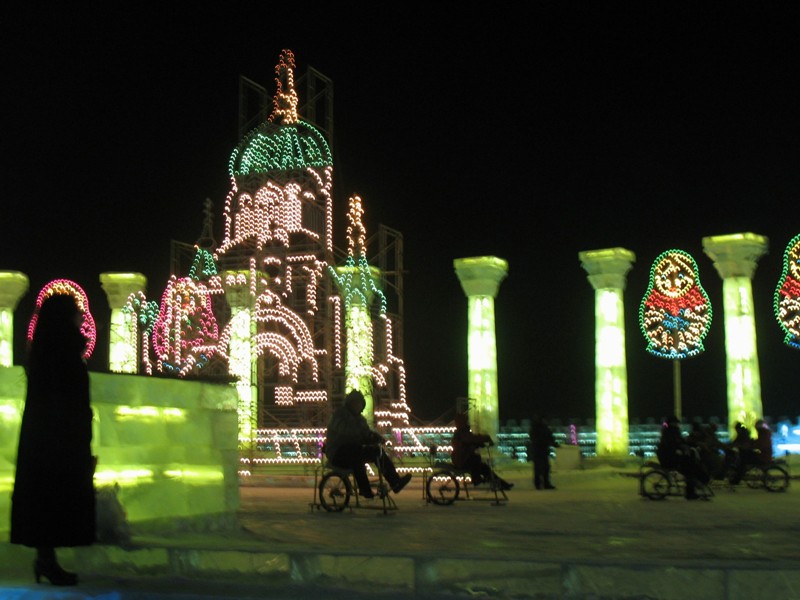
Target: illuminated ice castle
295 321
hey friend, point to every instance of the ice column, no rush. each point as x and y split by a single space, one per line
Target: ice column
241 363
13 285
123 356
608 269
735 258
480 278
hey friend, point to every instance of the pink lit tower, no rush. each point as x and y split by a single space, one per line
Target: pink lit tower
480 279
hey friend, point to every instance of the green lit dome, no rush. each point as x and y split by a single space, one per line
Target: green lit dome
284 147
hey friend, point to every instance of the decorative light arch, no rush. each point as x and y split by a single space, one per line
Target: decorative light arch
66 287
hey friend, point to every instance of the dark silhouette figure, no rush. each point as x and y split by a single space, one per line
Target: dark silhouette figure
465 454
762 445
709 449
542 440
740 453
53 502
350 444
675 454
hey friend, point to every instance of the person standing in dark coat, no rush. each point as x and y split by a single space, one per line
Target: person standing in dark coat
542 440
53 501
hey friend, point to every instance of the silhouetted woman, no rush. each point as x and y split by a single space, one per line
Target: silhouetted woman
53 503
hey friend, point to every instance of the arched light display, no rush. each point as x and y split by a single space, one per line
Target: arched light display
68 288
675 313
787 294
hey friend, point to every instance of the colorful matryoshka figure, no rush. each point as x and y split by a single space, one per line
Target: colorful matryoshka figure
185 334
787 294
675 313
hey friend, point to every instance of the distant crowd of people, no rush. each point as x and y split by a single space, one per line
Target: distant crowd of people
701 456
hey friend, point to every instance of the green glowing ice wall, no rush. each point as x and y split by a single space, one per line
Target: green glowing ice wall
735 258
607 270
171 445
480 278
13 285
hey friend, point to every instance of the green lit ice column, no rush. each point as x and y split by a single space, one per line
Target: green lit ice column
480 278
13 285
358 285
735 258
123 355
242 362
607 271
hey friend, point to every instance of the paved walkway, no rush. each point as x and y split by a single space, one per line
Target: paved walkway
594 538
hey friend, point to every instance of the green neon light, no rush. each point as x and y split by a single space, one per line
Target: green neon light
272 147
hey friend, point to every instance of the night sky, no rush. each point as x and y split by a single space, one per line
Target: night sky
528 136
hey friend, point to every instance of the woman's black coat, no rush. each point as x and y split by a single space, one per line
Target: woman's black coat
53 502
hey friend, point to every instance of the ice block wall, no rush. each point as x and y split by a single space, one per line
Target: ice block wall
170 445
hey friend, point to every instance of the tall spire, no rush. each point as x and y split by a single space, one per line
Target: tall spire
284 104
206 239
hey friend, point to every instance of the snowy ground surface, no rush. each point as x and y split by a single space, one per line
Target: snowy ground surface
595 518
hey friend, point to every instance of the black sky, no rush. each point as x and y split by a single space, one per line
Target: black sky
491 131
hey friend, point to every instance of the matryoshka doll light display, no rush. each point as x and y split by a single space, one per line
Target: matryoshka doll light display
675 314
787 294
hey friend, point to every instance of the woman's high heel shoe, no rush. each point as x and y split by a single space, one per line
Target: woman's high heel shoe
53 572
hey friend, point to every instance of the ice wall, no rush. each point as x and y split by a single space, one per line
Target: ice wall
170 445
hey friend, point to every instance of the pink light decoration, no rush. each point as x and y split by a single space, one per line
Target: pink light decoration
185 335
67 287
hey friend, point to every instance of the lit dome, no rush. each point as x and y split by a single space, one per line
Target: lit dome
280 147
283 142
